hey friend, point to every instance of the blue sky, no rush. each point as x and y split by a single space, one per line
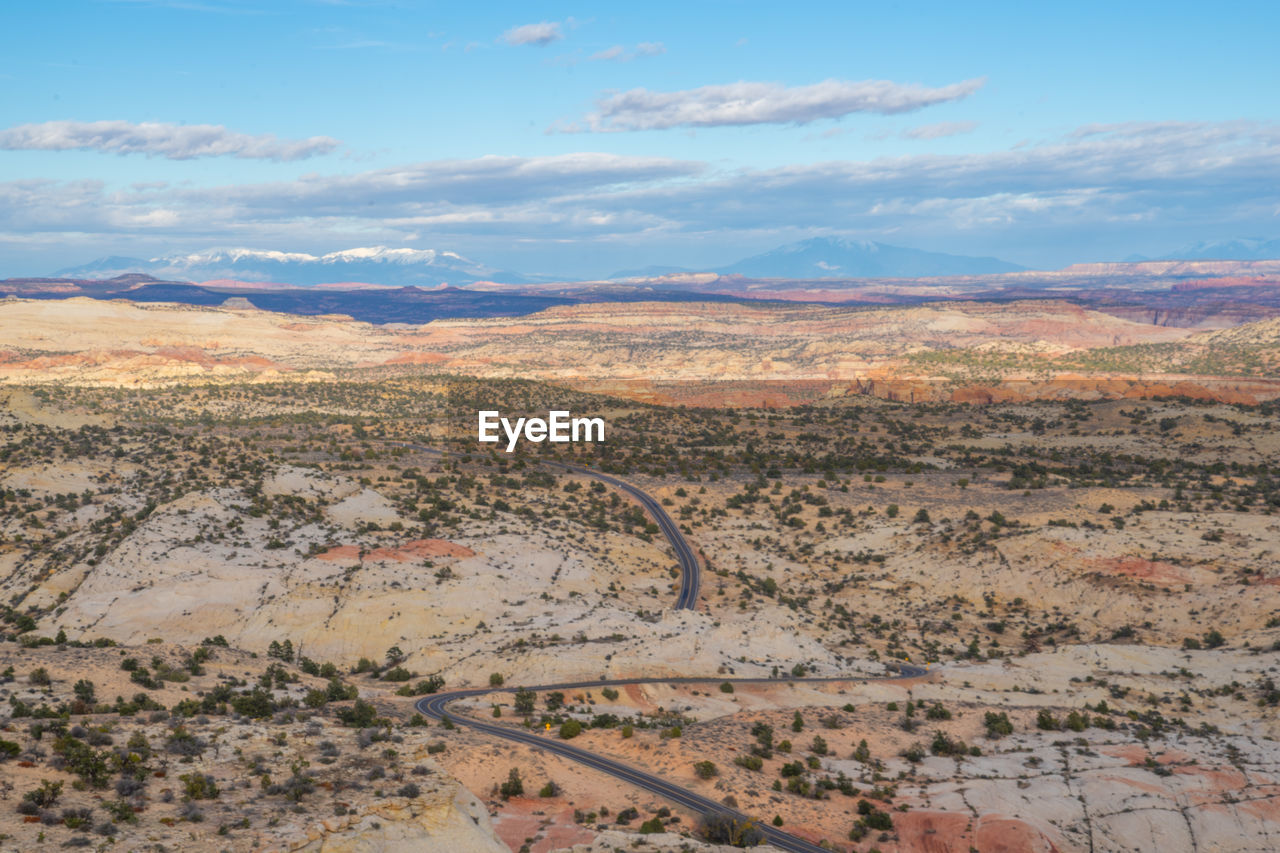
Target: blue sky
578 139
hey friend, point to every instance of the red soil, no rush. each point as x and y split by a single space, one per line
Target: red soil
1151 571
409 552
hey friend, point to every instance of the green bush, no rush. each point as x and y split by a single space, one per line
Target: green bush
998 724
513 787
199 786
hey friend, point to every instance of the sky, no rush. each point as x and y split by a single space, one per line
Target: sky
579 139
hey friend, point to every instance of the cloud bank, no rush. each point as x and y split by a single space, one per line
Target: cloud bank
1167 181
172 141
747 103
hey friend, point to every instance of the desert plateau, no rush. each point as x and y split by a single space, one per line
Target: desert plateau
971 576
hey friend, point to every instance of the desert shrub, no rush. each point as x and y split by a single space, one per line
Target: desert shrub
513 787
944 745
120 810
183 742
998 724
89 764
44 796
80 818
871 818
423 687
199 786
360 715
127 786
726 828
97 737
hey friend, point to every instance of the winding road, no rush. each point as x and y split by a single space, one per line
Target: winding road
436 706
690 571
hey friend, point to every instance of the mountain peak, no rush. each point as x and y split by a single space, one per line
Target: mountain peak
372 264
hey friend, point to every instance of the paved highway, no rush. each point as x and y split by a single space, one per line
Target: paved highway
436 706
690 571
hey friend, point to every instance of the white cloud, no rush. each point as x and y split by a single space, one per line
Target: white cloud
940 130
618 53
609 53
747 103
172 141
539 35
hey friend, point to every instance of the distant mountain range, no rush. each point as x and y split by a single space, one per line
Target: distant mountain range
817 258
376 265
821 257
829 257
832 257
1228 250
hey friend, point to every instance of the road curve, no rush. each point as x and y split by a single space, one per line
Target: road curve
690 571
436 707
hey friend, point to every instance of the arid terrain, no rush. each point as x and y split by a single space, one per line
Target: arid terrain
950 351
230 565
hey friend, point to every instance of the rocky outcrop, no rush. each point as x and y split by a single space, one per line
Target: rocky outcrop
450 819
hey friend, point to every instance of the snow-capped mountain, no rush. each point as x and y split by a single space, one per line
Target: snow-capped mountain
827 257
372 265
